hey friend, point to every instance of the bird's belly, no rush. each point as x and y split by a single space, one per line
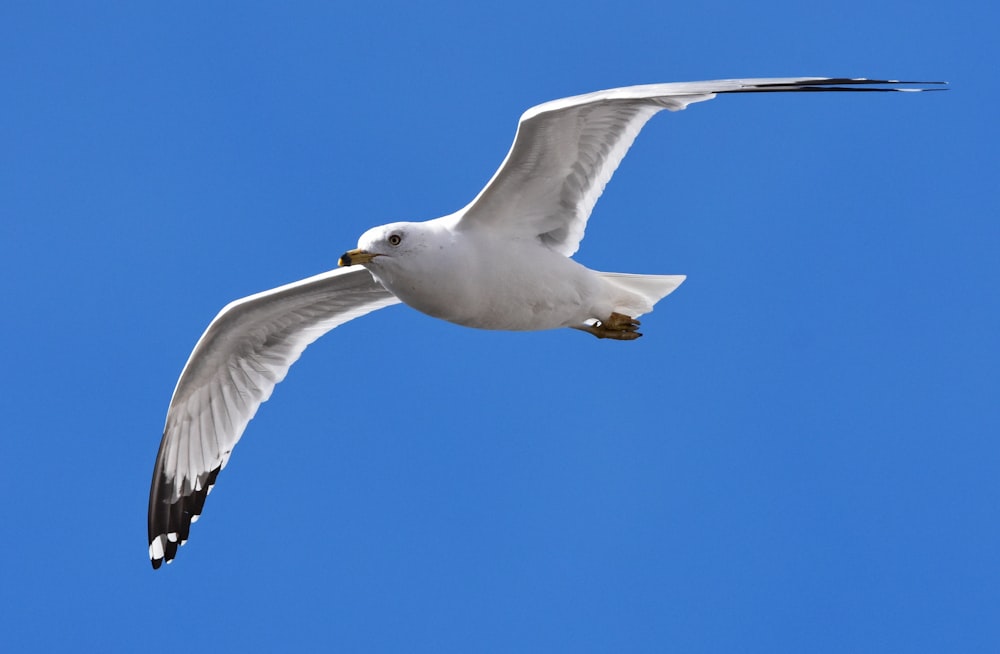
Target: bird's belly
518 311
509 297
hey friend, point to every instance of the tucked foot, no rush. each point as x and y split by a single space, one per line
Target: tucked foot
618 326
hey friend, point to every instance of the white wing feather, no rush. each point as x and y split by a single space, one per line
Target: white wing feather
246 350
566 151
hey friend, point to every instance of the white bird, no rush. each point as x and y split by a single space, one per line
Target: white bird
502 262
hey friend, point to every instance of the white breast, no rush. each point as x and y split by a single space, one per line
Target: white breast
516 285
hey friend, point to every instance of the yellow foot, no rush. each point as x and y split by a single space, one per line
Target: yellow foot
618 326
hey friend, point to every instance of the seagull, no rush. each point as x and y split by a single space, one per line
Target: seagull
502 262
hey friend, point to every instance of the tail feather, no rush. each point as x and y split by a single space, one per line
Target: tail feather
642 291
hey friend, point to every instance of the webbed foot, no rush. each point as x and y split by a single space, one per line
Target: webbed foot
618 326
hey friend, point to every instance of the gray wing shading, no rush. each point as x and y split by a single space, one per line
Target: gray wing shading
565 151
246 350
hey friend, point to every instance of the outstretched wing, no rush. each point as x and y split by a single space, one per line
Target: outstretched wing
235 365
565 151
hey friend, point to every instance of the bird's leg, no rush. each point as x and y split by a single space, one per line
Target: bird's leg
618 326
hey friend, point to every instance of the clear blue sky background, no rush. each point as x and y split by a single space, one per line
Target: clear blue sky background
800 456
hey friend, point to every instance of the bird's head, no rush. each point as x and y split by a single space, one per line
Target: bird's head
396 247
393 241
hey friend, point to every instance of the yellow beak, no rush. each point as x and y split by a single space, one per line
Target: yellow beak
354 257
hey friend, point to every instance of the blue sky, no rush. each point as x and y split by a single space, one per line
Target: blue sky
800 455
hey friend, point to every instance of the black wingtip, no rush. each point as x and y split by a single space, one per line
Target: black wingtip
170 522
844 84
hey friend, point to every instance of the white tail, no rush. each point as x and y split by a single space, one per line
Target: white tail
650 289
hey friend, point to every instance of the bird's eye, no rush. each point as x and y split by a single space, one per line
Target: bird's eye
395 239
